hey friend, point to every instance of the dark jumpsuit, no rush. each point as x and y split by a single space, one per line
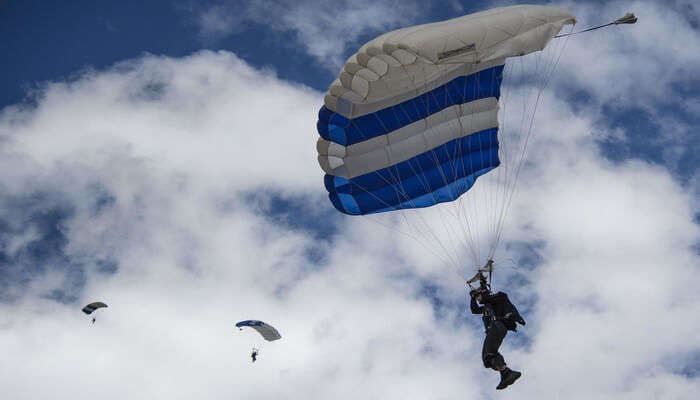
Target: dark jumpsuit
494 311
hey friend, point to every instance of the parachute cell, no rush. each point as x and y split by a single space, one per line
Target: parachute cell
266 331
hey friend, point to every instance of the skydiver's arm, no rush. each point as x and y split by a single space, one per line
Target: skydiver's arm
476 308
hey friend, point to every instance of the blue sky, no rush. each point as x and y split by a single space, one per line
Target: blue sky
84 34
160 156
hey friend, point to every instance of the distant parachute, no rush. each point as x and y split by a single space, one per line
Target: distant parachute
90 308
268 332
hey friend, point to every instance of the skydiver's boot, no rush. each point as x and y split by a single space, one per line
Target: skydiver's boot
508 376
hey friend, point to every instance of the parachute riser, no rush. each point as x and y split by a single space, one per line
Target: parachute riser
484 282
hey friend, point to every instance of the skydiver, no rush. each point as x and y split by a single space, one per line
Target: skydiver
499 316
93 319
254 354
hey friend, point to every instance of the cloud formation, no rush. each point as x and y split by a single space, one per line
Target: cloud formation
638 78
322 29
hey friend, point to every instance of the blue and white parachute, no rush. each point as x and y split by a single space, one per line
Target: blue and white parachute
413 118
268 332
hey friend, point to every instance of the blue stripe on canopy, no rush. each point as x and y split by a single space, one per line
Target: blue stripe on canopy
250 322
438 175
336 128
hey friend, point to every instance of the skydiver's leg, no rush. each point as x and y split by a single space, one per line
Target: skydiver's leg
494 338
494 359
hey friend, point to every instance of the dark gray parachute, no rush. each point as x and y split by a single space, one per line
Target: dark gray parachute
90 308
268 332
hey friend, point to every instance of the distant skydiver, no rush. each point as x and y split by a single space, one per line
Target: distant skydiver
254 354
499 316
268 333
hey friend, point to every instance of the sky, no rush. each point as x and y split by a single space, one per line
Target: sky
160 157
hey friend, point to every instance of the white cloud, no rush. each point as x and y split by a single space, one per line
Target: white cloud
647 66
179 145
323 29
660 56
218 21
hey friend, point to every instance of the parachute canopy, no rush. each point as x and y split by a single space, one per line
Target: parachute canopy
88 309
412 119
268 332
